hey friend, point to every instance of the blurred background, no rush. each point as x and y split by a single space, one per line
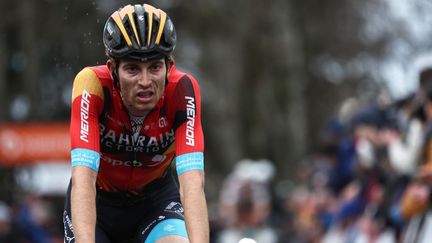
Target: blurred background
313 113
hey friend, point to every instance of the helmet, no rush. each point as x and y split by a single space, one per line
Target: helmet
140 32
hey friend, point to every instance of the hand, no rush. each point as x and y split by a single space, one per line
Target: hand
415 200
425 174
387 136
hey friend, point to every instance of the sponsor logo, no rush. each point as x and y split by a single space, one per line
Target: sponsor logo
117 162
68 228
85 106
190 115
159 158
169 228
148 226
175 207
160 218
144 144
163 122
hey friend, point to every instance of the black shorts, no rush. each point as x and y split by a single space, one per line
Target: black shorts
122 217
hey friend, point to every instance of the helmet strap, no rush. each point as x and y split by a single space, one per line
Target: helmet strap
114 73
168 63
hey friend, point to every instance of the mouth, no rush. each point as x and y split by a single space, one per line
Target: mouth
145 96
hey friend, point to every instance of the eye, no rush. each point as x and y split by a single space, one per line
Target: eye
156 67
130 68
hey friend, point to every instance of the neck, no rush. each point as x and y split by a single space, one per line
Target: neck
137 116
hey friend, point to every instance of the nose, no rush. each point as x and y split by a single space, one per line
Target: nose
144 79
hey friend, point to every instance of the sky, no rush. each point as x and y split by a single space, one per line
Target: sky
406 26
412 53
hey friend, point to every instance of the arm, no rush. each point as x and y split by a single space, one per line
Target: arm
87 103
424 171
404 152
193 199
83 204
190 159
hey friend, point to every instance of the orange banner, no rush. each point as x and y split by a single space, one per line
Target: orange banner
22 144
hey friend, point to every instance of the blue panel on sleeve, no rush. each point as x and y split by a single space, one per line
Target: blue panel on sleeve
85 157
167 227
190 161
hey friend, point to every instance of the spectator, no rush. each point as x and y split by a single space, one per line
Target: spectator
5 223
35 220
246 203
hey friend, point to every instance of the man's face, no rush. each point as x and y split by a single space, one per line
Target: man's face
141 84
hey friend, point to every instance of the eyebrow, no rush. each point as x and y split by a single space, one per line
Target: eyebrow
127 63
156 61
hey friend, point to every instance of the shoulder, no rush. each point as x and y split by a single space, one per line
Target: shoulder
89 79
93 73
177 76
101 71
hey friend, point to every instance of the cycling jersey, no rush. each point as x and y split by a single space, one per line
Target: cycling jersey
102 136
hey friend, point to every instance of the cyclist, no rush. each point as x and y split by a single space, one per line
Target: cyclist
130 119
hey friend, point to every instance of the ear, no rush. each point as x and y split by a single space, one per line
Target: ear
168 63
111 65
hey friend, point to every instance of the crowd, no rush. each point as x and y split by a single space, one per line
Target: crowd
368 183
34 219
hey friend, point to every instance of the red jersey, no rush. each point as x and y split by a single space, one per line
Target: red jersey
103 139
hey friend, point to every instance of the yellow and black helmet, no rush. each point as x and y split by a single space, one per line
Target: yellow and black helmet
140 32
